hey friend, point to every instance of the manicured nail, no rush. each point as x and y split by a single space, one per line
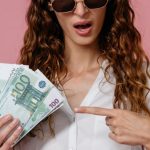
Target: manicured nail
8 116
19 128
15 121
76 109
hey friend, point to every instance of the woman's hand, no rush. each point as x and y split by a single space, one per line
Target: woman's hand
8 126
126 127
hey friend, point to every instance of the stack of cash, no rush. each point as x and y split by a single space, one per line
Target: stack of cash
27 95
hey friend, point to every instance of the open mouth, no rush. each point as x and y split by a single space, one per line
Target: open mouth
83 26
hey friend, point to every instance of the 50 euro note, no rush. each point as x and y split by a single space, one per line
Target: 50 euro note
30 97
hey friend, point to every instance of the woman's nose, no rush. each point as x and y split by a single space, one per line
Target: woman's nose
80 9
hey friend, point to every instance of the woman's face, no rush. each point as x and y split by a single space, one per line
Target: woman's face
82 26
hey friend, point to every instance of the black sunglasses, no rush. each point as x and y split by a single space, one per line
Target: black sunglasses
70 5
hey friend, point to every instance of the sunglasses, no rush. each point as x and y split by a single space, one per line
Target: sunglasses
70 5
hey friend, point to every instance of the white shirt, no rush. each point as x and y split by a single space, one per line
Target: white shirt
80 131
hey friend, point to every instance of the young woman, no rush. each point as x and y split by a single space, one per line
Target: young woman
92 52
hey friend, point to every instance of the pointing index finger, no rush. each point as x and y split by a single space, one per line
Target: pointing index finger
97 111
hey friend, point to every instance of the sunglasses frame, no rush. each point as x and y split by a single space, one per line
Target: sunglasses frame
50 4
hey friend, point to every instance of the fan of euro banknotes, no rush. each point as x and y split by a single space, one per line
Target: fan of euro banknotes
27 95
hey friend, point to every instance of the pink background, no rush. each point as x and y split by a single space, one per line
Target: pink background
12 26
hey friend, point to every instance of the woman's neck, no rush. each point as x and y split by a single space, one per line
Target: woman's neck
80 58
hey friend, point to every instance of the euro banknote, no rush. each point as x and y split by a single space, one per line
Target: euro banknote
27 95
5 72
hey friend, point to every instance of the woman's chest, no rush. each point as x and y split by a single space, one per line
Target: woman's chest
76 89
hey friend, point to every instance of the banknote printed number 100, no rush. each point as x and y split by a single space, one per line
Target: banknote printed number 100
20 86
54 103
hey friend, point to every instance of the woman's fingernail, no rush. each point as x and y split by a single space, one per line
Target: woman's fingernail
8 116
76 109
19 128
15 121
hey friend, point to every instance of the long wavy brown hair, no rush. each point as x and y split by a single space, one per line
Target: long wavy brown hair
120 40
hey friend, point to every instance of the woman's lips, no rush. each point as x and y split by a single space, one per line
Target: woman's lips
83 28
83 32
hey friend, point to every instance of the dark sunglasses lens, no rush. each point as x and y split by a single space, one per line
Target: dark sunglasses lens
63 5
95 3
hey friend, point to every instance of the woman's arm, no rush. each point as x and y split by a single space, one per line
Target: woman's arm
126 127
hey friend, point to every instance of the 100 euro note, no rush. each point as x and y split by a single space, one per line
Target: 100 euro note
29 97
5 72
53 101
